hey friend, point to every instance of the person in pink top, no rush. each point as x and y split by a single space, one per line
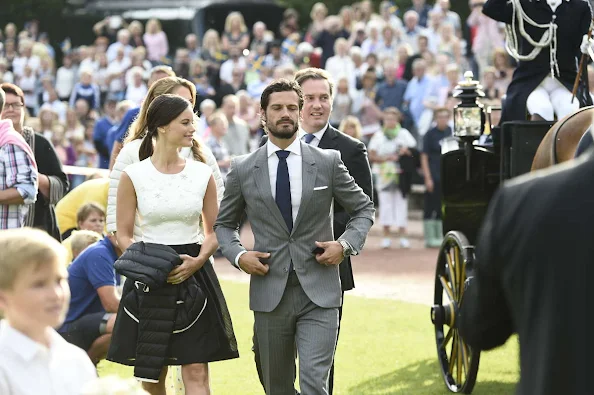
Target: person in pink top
155 40
18 174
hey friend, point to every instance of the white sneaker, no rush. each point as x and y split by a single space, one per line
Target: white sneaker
386 242
404 243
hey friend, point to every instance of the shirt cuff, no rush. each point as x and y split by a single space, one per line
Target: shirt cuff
28 193
236 263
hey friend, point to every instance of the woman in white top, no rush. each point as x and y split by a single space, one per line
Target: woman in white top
129 154
171 194
385 148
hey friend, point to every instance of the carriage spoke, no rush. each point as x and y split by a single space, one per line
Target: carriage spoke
460 268
462 362
465 355
453 353
452 272
447 289
447 338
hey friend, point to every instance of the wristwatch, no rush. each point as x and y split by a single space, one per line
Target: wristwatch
347 250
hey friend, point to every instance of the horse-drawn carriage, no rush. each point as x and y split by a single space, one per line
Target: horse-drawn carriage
472 170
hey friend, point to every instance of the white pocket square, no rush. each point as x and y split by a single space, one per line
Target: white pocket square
320 188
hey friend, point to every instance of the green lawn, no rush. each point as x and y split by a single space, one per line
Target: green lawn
385 347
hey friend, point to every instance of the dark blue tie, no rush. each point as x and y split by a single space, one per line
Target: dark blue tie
283 189
309 137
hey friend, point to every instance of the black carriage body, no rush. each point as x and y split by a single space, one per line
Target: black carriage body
465 197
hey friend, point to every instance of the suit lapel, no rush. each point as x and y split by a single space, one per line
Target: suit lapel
262 180
328 140
309 172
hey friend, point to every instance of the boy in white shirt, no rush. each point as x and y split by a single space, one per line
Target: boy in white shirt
34 296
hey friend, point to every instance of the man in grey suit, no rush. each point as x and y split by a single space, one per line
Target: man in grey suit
287 188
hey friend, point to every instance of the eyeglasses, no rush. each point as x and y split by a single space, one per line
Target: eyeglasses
14 106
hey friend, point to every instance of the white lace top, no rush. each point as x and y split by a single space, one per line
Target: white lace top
169 206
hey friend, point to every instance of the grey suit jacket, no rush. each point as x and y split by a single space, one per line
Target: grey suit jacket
248 190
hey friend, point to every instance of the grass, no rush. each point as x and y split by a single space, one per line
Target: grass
385 347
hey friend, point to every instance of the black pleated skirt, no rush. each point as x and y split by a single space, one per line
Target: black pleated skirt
210 339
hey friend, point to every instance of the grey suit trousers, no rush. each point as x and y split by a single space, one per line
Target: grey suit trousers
296 321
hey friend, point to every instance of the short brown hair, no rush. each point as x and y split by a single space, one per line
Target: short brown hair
84 211
313 73
281 85
24 247
7 87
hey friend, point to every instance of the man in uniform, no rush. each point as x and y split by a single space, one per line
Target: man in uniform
533 276
543 82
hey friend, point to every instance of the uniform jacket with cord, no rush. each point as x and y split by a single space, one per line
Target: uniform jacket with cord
573 18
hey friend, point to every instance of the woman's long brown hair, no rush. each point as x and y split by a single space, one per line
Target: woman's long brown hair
166 85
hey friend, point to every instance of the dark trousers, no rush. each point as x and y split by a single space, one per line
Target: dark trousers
255 349
432 204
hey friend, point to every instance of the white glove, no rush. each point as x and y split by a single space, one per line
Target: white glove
585 44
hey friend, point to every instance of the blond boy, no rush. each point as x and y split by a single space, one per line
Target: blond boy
34 296
81 239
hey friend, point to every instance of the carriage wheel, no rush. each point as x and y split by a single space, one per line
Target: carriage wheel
459 363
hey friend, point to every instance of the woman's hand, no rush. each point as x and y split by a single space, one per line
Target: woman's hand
189 266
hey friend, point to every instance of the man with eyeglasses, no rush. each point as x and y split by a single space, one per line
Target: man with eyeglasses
18 174
157 73
52 181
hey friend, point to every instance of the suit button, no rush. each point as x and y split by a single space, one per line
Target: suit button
292 240
286 269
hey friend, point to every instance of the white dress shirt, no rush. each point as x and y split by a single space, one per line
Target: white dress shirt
295 165
29 368
318 135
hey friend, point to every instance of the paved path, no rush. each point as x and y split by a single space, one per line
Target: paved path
402 274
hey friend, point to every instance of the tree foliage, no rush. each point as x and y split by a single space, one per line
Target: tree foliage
20 11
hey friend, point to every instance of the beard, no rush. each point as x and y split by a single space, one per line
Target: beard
284 131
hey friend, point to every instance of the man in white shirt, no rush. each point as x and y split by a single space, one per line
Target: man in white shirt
34 297
287 189
318 90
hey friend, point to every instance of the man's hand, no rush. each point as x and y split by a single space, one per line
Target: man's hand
189 266
250 263
333 253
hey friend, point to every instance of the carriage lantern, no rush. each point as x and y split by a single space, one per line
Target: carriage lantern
469 114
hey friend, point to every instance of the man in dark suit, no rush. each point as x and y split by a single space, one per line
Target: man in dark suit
315 130
533 276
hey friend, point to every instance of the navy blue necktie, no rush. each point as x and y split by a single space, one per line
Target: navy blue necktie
283 189
309 137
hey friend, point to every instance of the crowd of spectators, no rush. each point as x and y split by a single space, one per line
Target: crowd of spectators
381 59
